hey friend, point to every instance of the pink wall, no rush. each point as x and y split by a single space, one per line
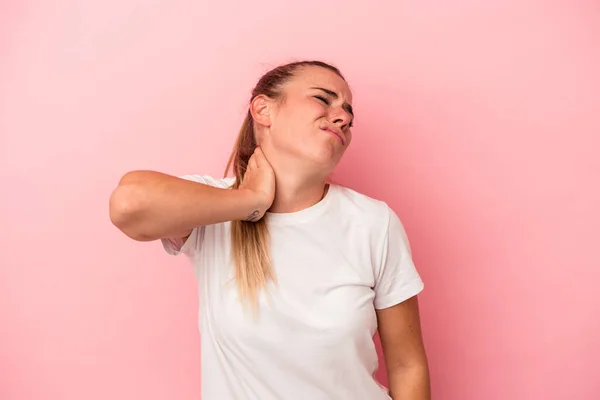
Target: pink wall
478 123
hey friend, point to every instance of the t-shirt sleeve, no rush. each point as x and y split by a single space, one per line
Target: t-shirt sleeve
397 278
176 246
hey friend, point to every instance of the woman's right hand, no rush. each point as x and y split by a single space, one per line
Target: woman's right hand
150 205
259 182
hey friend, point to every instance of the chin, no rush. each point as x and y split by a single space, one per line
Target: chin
321 155
324 157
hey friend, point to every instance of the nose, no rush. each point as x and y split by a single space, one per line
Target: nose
340 117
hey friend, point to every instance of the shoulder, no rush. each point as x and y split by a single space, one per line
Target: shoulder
210 180
362 208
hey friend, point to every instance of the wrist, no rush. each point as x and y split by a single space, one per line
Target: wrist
250 204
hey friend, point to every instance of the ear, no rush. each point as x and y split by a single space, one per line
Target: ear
260 108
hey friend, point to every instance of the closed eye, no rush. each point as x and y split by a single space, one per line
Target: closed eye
323 99
326 101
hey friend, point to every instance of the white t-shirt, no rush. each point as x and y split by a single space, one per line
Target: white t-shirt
336 262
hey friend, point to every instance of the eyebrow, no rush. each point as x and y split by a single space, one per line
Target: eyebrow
333 94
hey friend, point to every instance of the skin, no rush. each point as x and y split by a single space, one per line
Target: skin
289 133
302 156
287 173
402 343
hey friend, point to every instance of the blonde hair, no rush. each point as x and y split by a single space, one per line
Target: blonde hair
250 240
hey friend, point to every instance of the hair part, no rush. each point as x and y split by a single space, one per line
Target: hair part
250 240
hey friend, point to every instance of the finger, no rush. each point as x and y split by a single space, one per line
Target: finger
258 156
252 162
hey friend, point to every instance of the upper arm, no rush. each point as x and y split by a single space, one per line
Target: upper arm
396 277
187 243
184 235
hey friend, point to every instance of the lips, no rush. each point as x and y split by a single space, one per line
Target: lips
335 132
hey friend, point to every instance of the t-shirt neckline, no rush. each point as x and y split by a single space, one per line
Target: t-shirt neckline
307 214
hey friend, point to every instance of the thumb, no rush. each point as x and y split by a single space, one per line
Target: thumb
260 156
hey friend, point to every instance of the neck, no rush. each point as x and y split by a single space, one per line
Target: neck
295 191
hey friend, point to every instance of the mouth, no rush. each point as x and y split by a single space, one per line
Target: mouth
335 133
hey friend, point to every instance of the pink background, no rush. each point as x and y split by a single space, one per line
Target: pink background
478 123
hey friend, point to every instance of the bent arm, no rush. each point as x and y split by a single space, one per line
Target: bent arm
150 205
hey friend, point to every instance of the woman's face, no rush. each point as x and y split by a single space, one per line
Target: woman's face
312 124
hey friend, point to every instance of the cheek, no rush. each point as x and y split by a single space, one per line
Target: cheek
298 121
319 110
308 111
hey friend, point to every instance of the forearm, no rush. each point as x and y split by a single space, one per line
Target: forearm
410 383
149 205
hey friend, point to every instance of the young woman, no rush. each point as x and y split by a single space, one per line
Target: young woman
295 274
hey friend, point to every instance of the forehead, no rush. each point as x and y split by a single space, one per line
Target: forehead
312 76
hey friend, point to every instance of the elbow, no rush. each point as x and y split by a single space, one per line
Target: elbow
125 210
120 207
